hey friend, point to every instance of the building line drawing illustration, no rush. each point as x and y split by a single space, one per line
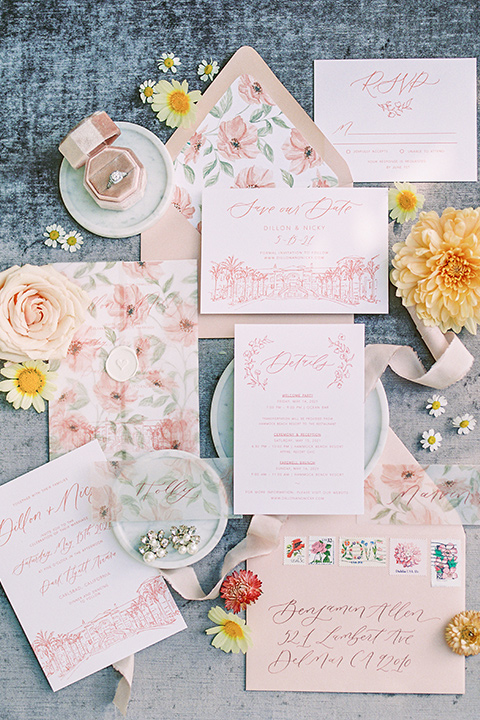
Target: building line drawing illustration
153 607
351 281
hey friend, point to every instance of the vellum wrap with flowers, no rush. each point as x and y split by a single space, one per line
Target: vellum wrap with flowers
40 310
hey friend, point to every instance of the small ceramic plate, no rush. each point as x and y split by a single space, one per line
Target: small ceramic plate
210 530
124 223
221 420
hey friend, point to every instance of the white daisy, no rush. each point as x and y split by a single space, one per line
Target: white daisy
431 440
207 70
146 91
464 423
53 233
436 405
28 383
167 62
71 241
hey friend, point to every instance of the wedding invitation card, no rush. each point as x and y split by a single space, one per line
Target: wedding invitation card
401 119
357 609
298 418
295 250
82 602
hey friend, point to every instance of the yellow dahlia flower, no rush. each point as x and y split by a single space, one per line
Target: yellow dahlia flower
463 633
437 269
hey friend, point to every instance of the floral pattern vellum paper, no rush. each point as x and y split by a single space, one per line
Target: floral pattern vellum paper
152 309
245 141
460 486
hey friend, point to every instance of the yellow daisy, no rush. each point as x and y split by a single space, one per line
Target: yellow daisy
29 383
231 632
174 104
404 202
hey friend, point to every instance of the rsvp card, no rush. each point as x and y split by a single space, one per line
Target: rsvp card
402 119
297 250
299 415
82 602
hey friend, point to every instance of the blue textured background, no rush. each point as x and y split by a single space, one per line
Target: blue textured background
62 60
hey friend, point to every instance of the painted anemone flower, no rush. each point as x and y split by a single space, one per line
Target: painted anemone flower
174 104
437 269
28 383
231 633
240 589
404 202
463 633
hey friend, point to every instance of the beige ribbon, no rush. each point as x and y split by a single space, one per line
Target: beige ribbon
453 361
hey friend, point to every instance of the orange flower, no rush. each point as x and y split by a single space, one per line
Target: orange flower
240 589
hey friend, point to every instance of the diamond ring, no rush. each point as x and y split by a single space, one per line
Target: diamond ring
115 177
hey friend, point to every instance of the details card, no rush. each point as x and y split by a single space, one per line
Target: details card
295 250
299 416
401 119
82 602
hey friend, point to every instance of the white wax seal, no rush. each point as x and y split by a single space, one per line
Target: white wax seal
122 363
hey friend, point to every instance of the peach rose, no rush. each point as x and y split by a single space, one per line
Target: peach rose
40 311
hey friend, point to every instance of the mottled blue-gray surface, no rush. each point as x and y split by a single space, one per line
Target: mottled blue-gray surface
61 60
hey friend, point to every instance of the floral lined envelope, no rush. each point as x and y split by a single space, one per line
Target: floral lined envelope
149 309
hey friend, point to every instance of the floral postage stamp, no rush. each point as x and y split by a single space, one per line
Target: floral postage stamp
321 550
363 551
408 556
445 562
294 551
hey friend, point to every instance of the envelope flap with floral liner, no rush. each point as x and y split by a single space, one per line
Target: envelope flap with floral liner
149 401
249 132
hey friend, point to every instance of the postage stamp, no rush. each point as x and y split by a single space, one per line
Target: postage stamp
363 551
408 556
321 550
294 550
445 560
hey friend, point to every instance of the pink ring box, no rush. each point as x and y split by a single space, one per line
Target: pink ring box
90 144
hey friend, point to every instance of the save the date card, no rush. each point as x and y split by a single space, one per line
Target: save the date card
299 415
82 602
295 250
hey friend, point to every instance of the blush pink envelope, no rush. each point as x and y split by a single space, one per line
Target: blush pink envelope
258 136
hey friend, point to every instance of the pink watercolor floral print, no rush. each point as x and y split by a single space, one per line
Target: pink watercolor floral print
150 308
245 141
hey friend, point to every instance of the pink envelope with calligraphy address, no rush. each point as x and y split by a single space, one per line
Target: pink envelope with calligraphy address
371 621
81 601
249 132
147 312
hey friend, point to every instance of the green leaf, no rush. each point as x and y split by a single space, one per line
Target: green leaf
79 404
103 278
81 271
208 168
194 497
168 284
131 503
266 130
226 101
281 123
191 278
216 112
110 265
146 401
136 419
160 401
383 513
123 455
330 179
208 150
212 180
111 335
268 152
159 350
227 168
211 509
266 108
92 309
256 115
170 408
288 178
189 173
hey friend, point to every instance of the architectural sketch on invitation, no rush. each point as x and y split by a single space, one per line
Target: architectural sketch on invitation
297 250
399 119
299 416
363 627
82 602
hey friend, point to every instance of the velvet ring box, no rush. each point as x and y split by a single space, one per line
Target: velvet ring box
114 176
